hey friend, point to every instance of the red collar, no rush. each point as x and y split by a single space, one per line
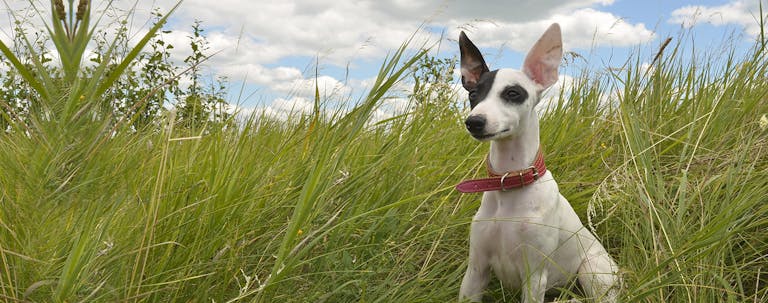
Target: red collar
507 180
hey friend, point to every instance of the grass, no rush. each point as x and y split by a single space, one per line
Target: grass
671 174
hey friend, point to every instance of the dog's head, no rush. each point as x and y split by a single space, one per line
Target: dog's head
502 99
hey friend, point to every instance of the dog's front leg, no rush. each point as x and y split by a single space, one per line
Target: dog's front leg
535 287
475 279
598 275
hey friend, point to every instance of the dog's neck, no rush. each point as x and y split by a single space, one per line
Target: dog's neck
518 152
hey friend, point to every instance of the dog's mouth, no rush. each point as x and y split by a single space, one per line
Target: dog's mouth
486 137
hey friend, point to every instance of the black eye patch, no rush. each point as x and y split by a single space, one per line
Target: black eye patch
479 93
514 94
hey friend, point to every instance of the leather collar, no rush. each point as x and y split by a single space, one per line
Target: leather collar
507 180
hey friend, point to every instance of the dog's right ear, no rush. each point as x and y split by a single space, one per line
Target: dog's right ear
544 58
472 63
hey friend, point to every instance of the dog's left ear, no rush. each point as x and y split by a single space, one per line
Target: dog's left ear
472 63
543 60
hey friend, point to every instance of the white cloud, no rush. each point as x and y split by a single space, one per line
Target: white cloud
391 107
243 60
742 13
338 30
582 28
283 109
243 112
564 86
305 87
586 27
568 85
11 11
441 11
293 105
397 105
341 31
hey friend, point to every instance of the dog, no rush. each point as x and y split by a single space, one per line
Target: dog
524 230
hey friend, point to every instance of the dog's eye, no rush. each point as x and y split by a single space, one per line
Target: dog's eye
514 94
472 95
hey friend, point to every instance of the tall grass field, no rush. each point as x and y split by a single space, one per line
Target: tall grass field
665 163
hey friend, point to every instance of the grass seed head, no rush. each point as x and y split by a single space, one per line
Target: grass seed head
58 6
81 8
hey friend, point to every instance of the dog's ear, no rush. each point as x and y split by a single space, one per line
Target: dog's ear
472 63
544 58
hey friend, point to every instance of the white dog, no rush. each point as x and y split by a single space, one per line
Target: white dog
525 230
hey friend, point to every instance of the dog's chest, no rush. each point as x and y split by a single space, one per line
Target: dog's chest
507 224
514 227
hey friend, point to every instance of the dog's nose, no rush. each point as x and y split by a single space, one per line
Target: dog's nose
475 124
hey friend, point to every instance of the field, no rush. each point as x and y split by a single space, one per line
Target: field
666 163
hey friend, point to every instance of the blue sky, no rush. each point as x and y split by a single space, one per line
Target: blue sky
272 45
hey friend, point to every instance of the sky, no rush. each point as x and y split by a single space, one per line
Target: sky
272 47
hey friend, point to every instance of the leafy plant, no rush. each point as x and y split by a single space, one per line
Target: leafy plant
73 96
433 79
198 104
143 82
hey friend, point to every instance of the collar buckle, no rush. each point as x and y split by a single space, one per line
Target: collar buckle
502 181
535 172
